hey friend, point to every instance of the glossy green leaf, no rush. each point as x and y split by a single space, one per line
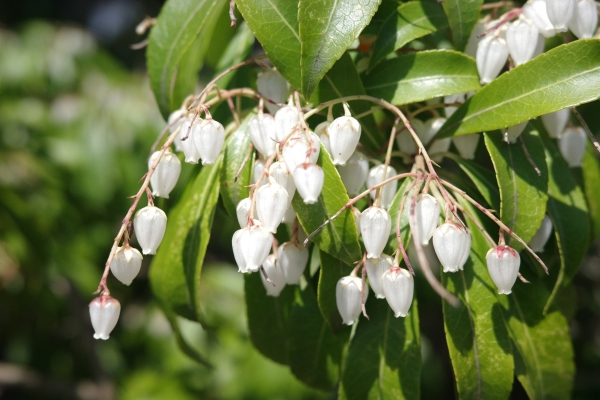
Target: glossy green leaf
404 226
275 25
590 169
462 17
343 80
327 28
232 190
523 194
478 342
565 76
178 28
338 238
421 76
332 270
238 50
315 352
484 180
411 21
384 358
268 318
177 266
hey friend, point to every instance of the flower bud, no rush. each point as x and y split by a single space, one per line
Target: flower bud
398 288
427 215
572 146
388 192
292 259
297 148
273 86
354 173
556 122
241 211
175 120
192 155
309 180
584 20
255 244
262 132
513 132
450 244
165 175
104 313
560 13
279 172
275 274
539 240
126 264
376 267
344 134
466 145
492 54
535 10
375 226
237 250
503 266
322 133
454 98
286 120
348 296
259 166
209 139
150 224
271 203
521 39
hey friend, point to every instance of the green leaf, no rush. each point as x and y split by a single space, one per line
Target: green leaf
343 80
177 266
565 76
421 76
478 341
275 25
338 238
332 270
384 358
523 194
315 353
404 226
327 28
268 318
590 169
539 342
181 24
411 21
462 17
238 49
484 180
232 190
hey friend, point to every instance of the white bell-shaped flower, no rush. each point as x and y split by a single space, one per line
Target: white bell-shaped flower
241 211
348 296
290 215
165 175
556 122
259 166
126 264
539 240
275 274
375 226
150 224
453 98
323 134
560 13
438 148
309 180
292 259
449 242
572 146
535 11
255 244
388 192
521 39
466 145
273 86
398 288
279 172
344 134
262 132
297 148
271 203
209 139
503 266
191 153
175 120
354 173
471 47
429 129
427 215
467 250
540 46
357 214
405 141
286 119
584 21
492 54
376 267
237 250
513 132
104 313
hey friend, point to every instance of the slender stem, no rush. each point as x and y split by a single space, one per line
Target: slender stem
528 156
246 158
388 157
401 248
476 222
232 14
364 286
498 4
587 129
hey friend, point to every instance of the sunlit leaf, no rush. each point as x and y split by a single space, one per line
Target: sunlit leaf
590 169
462 16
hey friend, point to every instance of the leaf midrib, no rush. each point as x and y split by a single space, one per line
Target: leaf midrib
285 21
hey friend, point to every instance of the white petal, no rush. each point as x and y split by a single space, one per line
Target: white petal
150 224
539 240
275 275
492 54
560 13
271 203
535 10
427 214
449 241
376 267
273 86
348 296
503 266
375 177
104 313
572 146
375 226
279 172
466 145
286 119
344 134
398 288
556 122
126 264
192 155
255 245
262 132
584 21
166 174
309 180
209 139
293 257
521 39
241 211
354 173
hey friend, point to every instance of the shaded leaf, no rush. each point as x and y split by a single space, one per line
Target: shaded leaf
565 76
484 180
332 270
590 169
404 226
238 49
410 21
421 76
462 17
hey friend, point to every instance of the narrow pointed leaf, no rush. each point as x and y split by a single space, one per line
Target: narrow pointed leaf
462 17
384 358
411 21
563 77
332 270
523 194
484 180
238 50
421 76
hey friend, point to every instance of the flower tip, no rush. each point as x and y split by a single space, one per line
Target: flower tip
99 336
351 322
380 296
400 314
